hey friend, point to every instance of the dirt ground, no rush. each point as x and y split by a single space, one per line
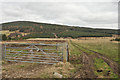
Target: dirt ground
34 70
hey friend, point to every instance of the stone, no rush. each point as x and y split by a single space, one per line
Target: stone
57 75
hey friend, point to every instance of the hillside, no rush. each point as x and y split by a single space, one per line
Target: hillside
45 30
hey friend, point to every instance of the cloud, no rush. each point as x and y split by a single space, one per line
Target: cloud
59 0
94 14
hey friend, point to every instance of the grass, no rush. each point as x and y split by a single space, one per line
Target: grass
4 69
85 50
78 65
74 53
7 32
73 50
73 70
44 76
14 53
20 66
106 70
103 46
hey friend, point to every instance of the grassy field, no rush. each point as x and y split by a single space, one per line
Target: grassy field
103 46
102 69
81 63
7 32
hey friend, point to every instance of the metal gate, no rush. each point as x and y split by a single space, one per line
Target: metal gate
36 53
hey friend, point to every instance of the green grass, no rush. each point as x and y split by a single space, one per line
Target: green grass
85 50
20 66
73 70
44 76
73 50
4 69
101 65
74 54
106 47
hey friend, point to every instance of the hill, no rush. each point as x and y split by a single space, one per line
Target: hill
45 30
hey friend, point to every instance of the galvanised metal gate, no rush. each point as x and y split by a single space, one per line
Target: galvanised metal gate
36 53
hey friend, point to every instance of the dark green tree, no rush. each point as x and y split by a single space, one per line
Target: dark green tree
4 37
9 38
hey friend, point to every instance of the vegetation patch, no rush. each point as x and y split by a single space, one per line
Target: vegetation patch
102 70
103 46
73 50
116 39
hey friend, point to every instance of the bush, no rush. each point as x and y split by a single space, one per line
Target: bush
116 39
4 37
39 35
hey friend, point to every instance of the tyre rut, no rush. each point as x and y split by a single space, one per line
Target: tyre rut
86 71
111 63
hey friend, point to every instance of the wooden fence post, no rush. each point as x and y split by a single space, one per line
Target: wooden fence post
56 47
65 54
3 51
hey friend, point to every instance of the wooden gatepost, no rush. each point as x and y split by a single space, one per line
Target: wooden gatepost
65 52
2 51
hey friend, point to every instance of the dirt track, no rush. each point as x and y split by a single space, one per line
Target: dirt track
87 60
87 69
111 63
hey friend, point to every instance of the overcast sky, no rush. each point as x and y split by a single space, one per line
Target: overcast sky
84 14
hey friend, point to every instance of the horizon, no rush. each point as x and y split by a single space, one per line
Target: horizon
102 15
60 24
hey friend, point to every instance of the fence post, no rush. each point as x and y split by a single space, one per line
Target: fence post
65 52
3 51
56 46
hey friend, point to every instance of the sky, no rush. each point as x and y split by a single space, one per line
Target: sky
83 13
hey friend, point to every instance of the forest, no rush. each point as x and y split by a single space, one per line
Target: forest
47 30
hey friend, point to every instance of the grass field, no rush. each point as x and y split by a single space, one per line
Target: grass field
100 65
7 32
82 63
103 46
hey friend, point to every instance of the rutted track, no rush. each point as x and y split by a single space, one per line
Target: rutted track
113 65
87 69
